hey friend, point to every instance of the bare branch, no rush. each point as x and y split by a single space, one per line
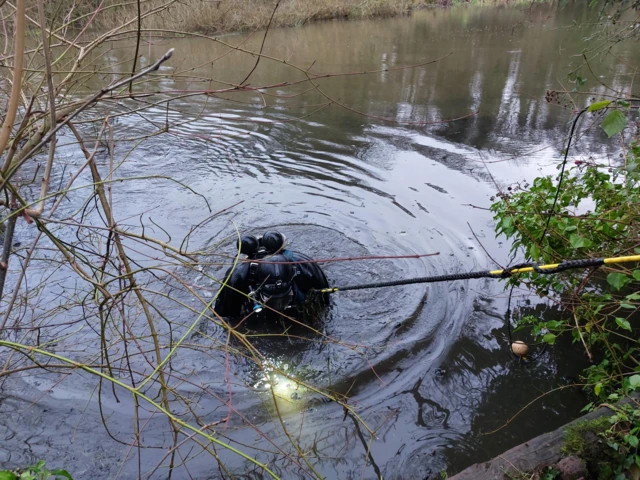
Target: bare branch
16 86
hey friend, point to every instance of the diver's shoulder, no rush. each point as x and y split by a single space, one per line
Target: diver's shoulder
294 255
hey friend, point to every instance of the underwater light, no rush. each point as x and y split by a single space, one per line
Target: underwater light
286 388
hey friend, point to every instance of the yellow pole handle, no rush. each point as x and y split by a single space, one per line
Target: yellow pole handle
607 261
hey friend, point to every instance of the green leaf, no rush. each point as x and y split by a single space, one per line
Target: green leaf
617 280
594 107
598 389
634 381
534 252
622 323
636 275
623 103
633 296
554 324
7 475
61 473
507 225
577 241
549 338
614 123
628 306
587 407
632 440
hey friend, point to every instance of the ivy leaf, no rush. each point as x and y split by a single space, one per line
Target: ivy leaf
549 338
617 280
577 241
622 323
594 107
614 123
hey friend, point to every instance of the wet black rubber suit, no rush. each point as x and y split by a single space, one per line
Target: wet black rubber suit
306 276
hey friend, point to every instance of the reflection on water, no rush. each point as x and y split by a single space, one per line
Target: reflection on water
426 368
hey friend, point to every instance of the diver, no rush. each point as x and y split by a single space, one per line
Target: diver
268 278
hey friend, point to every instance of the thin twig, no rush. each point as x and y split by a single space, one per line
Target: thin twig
135 56
16 86
52 105
6 248
264 39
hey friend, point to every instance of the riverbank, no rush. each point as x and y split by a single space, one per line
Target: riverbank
226 16
576 451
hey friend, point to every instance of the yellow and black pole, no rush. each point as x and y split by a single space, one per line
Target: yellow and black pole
502 273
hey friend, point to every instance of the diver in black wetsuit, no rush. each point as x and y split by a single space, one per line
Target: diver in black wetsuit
271 279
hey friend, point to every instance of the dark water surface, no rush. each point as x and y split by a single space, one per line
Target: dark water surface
426 367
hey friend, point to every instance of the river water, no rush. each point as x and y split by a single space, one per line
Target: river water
427 368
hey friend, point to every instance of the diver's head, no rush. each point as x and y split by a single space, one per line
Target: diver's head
248 245
270 243
274 282
274 241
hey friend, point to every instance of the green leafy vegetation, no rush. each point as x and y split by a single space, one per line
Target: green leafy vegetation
35 472
591 209
593 212
550 474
